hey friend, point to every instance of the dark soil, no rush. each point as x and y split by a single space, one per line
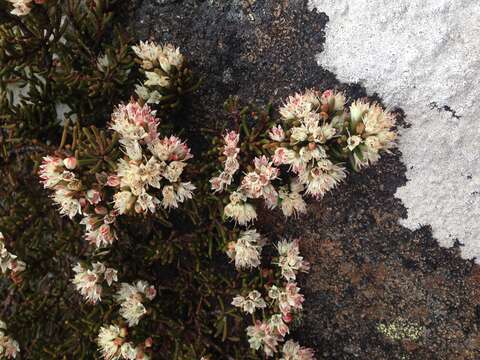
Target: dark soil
367 270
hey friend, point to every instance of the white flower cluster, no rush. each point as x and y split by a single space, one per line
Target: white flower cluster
246 250
289 260
303 145
149 176
231 165
8 347
249 304
288 298
89 281
112 339
160 64
9 262
153 166
56 174
20 7
293 351
131 298
285 301
268 335
308 149
114 345
73 198
370 130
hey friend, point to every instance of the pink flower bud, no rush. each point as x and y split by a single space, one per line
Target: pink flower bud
327 93
150 292
93 197
101 210
70 162
148 342
113 181
287 318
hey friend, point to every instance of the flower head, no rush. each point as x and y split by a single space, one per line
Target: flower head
293 351
88 281
289 260
250 303
246 250
8 347
20 7
131 298
239 210
261 336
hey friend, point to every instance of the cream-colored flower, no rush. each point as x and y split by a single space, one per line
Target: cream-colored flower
334 100
293 351
289 259
246 250
323 177
110 341
292 202
277 133
149 53
131 298
123 201
357 110
239 210
353 141
250 303
20 7
8 347
154 79
88 281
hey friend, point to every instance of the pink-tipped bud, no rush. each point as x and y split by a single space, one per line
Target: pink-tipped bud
148 342
70 162
287 318
93 197
327 93
150 292
113 181
83 202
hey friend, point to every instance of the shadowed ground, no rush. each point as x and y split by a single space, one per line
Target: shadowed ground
376 289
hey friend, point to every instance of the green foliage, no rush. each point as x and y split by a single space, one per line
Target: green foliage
64 67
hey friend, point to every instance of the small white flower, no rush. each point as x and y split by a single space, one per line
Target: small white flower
293 351
239 210
246 250
169 197
277 133
357 110
153 79
260 335
20 7
88 282
353 142
291 202
185 191
322 178
290 261
249 304
110 342
123 201
276 323
131 299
